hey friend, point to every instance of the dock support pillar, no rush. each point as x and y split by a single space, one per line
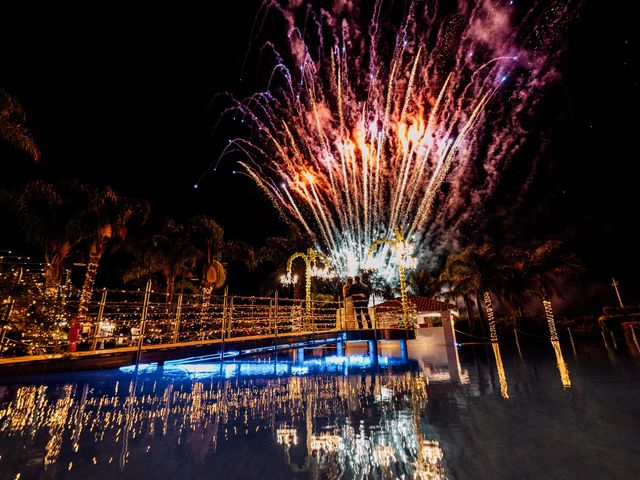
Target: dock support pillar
403 350
450 346
373 351
340 348
299 355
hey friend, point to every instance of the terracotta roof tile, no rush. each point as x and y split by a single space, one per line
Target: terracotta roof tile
423 304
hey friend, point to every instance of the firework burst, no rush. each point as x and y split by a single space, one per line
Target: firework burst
360 124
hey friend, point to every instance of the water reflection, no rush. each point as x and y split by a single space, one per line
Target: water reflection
328 416
504 387
365 423
562 365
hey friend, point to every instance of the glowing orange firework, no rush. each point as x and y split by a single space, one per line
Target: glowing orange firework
355 138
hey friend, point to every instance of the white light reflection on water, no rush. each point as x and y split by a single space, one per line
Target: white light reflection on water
345 417
335 413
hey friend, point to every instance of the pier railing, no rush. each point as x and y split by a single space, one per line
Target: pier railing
125 318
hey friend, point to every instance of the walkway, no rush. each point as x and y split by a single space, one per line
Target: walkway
232 347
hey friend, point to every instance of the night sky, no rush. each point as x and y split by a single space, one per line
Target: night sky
122 96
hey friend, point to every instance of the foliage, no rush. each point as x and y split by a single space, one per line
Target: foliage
167 252
422 283
509 274
108 214
36 317
12 129
474 269
106 217
49 216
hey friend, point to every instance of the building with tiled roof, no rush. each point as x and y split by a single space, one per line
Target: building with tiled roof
422 304
428 311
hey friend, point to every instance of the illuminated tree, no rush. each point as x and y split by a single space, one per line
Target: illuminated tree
106 218
49 216
543 266
475 271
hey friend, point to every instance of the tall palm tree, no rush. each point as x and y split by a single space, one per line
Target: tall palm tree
423 284
106 218
544 266
12 129
207 239
185 250
477 271
212 252
168 253
513 281
49 215
276 250
274 254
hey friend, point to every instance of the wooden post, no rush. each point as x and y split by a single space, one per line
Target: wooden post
143 319
230 318
615 284
374 320
176 325
4 332
225 302
270 317
103 302
276 313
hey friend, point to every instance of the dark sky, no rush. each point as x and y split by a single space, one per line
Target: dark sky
121 96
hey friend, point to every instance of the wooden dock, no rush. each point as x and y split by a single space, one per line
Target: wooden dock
230 347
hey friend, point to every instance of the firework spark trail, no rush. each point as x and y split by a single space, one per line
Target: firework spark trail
357 139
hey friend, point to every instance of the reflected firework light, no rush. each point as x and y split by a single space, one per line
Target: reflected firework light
358 128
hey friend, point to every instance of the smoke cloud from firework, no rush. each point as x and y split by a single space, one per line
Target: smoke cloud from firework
367 112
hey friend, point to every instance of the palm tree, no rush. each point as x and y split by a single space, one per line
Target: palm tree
207 240
513 282
12 129
423 284
168 253
276 250
49 218
543 266
105 218
477 271
274 253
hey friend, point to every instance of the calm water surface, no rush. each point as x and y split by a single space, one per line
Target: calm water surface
331 416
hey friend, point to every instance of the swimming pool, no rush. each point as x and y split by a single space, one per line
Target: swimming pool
331 416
